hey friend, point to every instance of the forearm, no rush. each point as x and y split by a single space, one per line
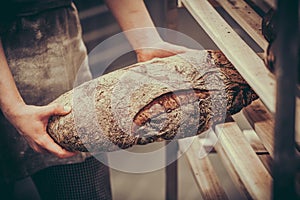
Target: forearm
133 14
9 94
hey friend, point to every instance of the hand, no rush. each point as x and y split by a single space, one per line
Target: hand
159 50
31 122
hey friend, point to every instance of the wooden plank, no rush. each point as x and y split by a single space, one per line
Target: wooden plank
267 160
250 169
247 62
247 18
265 5
179 4
232 172
202 169
262 122
250 134
254 141
272 3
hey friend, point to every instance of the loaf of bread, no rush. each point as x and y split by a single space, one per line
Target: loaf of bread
162 99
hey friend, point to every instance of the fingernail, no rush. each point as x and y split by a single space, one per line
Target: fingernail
67 108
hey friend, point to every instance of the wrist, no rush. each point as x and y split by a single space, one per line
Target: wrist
143 38
11 109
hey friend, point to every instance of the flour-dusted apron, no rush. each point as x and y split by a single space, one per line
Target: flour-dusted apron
44 52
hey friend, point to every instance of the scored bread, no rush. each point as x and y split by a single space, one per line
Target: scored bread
161 99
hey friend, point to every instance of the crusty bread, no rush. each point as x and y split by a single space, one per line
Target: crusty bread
161 99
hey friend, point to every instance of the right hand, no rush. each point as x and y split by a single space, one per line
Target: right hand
31 122
160 50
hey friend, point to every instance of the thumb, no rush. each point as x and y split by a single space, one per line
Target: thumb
55 109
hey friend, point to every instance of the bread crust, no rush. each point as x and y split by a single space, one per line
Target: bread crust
161 99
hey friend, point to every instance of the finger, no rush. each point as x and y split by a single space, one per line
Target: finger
143 58
47 143
55 109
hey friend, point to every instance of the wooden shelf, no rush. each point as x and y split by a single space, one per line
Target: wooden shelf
249 168
203 171
245 159
246 154
247 18
263 123
246 61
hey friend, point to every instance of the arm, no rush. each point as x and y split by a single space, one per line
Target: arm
146 41
30 121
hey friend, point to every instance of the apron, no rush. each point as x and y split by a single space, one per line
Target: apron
45 53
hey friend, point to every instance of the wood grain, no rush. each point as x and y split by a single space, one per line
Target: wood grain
203 171
247 62
263 123
250 169
247 18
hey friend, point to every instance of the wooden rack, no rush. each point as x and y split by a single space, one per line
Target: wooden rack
248 155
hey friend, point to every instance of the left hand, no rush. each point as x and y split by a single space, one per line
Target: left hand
31 122
159 50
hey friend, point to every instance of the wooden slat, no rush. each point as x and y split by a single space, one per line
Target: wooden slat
254 141
264 5
267 160
203 172
179 3
247 18
247 62
272 3
232 171
250 169
262 122
250 133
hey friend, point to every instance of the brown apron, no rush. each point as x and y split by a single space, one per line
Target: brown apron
45 52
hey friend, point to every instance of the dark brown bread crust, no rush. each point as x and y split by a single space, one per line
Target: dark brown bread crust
162 99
